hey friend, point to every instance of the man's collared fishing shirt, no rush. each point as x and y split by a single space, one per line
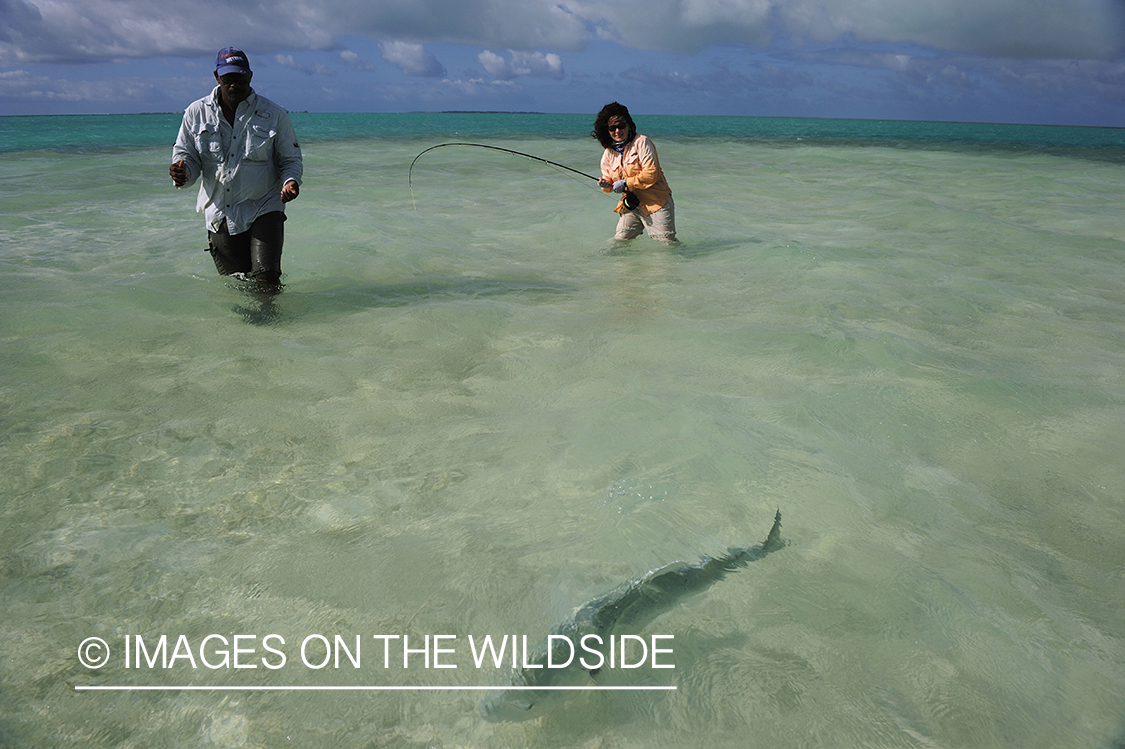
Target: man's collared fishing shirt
244 165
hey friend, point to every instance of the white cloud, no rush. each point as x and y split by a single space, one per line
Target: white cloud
20 85
355 61
521 63
476 87
1086 29
110 30
412 59
679 25
288 62
100 30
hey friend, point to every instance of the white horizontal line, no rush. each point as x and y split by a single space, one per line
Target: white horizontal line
91 688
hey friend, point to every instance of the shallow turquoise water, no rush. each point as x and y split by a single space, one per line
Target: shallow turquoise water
468 414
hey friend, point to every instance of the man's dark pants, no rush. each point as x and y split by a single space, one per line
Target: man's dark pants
255 253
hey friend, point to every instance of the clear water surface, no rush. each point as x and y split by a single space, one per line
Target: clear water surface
468 413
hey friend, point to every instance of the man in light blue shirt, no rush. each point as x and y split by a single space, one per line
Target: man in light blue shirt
246 150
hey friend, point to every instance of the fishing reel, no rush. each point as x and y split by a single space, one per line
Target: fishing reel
630 201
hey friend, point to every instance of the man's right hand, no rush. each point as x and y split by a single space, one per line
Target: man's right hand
178 173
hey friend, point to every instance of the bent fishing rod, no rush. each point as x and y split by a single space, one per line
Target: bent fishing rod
410 174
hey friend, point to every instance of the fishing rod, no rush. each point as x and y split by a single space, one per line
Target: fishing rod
410 174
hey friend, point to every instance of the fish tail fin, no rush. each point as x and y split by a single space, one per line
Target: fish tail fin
774 541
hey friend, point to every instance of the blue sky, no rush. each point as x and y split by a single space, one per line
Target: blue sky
1030 61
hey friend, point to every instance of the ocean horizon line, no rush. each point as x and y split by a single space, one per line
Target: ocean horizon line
86 132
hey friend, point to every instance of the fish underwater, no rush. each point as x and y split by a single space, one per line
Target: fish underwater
626 609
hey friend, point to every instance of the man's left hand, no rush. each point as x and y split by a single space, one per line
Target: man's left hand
290 191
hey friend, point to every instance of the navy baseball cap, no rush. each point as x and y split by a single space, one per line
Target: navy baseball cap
231 60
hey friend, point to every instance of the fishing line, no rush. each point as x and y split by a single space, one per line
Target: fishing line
495 148
410 172
410 182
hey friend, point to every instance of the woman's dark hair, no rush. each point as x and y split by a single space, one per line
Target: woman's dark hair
600 132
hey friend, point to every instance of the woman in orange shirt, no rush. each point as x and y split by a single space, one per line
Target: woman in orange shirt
631 168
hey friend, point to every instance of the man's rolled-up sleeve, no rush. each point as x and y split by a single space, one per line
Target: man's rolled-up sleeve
288 151
185 150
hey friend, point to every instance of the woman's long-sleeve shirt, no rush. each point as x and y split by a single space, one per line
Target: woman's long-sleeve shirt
639 166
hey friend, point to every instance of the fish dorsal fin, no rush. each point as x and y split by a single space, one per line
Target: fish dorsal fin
773 541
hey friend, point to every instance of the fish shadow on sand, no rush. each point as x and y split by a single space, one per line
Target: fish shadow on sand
626 609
